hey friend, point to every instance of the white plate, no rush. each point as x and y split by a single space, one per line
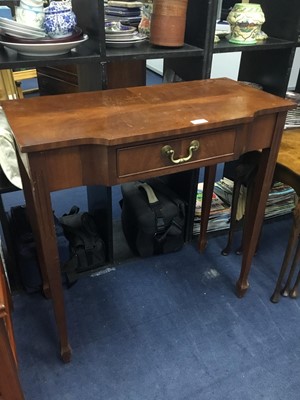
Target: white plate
120 35
136 38
10 23
124 43
221 34
45 49
21 33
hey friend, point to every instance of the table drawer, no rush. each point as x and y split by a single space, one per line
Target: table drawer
150 157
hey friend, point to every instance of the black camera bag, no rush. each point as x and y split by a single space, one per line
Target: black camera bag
153 217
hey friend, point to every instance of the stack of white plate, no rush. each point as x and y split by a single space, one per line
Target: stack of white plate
118 35
14 28
30 41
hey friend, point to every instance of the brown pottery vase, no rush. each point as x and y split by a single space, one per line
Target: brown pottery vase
168 23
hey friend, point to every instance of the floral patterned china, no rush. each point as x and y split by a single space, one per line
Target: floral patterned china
119 35
60 20
118 28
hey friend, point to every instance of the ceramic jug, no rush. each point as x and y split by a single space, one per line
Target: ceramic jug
245 21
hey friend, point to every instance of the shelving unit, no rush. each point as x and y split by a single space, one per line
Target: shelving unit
193 60
267 63
90 67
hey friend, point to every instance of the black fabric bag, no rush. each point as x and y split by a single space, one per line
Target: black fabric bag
153 217
87 249
25 248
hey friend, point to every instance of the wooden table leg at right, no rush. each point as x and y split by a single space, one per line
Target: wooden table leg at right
258 199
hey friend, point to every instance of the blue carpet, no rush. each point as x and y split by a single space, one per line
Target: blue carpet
167 327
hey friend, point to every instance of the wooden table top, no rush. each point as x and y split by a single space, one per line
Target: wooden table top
289 151
133 115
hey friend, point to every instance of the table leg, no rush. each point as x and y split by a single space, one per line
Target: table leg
253 222
258 199
287 291
208 188
293 239
37 196
293 293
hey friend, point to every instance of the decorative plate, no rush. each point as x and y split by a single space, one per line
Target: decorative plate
121 35
124 43
134 38
117 27
76 35
43 49
20 33
17 25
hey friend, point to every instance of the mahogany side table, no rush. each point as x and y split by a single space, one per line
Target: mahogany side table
119 135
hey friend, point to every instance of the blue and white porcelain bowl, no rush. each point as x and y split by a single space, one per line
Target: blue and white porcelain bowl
60 20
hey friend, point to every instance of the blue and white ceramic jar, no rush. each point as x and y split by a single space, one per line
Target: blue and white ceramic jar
60 20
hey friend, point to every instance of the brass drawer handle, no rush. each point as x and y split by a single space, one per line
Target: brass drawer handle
169 152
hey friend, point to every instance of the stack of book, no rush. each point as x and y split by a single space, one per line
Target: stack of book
128 10
281 201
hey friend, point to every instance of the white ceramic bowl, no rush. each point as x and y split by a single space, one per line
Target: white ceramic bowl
29 17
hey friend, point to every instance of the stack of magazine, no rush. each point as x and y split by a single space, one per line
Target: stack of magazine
293 116
219 213
281 201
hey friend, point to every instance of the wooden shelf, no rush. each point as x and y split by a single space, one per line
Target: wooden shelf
224 46
12 59
147 51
